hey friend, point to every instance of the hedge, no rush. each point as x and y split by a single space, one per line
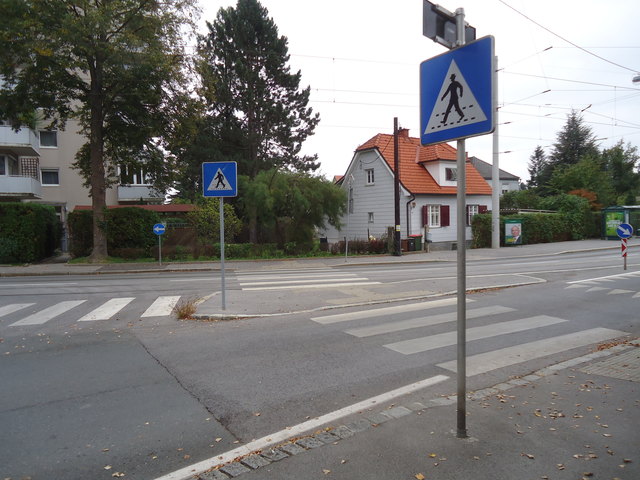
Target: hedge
128 230
29 232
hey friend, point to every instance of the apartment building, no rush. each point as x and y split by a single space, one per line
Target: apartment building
35 166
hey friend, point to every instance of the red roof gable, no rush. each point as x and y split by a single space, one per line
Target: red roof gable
413 175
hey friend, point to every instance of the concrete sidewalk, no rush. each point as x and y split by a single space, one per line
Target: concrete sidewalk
574 420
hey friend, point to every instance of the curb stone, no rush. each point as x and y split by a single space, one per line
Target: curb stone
334 434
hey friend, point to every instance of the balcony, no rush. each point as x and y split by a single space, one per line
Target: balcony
24 142
20 187
135 193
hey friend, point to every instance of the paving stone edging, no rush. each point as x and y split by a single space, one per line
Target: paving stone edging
332 435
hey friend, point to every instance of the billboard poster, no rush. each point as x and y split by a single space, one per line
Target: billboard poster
513 232
612 220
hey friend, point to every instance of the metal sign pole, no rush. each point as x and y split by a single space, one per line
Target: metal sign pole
224 301
624 251
462 267
159 249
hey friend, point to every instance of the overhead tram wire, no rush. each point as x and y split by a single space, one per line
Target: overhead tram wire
634 70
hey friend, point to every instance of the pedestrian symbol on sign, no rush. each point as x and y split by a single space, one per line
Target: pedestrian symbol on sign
220 181
454 94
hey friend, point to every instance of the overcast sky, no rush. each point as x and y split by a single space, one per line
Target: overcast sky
361 59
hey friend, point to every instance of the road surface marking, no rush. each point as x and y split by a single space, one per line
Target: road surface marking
423 344
316 280
296 430
107 310
378 312
504 357
425 321
324 285
161 307
47 314
7 309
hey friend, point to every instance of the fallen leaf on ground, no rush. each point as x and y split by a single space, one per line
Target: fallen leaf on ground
325 471
528 455
419 476
107 467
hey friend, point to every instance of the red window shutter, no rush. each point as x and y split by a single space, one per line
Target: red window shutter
444 216
483 209
425 215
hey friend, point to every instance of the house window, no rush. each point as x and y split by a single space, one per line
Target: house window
50 177
451 174
471 211
434 216
370 217
370 177
8 165
48 138
130 175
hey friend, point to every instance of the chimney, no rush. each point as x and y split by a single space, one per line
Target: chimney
403 132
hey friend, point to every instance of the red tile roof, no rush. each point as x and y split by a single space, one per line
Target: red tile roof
413 175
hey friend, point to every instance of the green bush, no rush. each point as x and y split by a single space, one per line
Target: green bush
126 228
28 232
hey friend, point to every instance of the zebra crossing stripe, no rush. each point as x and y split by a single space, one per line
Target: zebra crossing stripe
425 321
504 357
161 307
47 314
378 312
316 285
107 310
423 344
8 309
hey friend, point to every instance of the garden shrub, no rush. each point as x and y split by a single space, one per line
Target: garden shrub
28 232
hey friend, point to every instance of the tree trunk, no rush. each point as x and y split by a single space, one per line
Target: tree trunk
96 158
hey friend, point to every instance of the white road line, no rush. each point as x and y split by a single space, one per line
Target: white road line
289 432
619 291
327 285
243 278
161 307
504 357
399 326
107 310
378 312
608 277
47 314
423 344
7 309
316 280
52 284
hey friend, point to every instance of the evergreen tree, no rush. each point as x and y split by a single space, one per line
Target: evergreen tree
620 163
108 65
537 165
575 142
258 113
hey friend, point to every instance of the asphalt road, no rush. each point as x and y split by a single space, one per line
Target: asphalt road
146 395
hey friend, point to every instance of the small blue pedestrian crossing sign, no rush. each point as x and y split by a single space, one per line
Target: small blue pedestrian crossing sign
457 93
220 179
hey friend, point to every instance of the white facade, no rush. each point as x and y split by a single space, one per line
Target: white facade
369 183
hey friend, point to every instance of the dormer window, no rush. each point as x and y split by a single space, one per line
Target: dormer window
451 174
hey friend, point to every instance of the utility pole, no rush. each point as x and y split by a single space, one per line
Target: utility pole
396 189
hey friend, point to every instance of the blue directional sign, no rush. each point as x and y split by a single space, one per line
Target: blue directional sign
457 93
624 230
220 179
158 229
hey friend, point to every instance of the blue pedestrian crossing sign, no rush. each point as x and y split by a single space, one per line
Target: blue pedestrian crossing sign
457 93
220 179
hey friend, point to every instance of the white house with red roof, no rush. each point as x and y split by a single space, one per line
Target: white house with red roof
428 190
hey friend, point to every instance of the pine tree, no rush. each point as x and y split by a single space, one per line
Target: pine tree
538 163
259 113
575 142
